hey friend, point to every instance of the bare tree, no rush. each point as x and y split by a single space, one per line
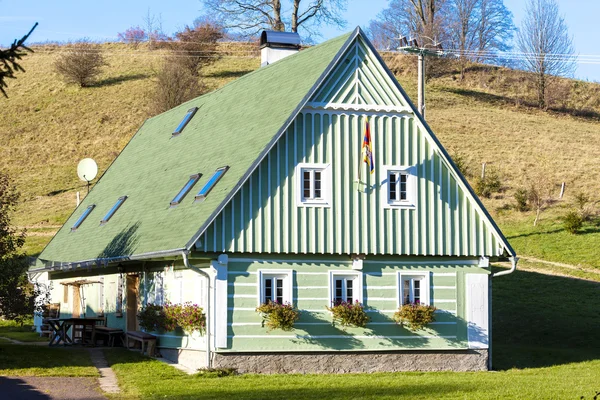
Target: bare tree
479 28
175 85
153 28
197 46
546 44
252 16
9 60
80 62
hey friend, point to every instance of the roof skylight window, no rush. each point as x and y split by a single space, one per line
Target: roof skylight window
113 210
83 216
211 183
188 186
185 120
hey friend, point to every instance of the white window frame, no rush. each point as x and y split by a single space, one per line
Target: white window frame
411 186
357 287
325 200
286 274
424 277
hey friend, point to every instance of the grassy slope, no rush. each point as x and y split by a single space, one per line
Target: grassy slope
545 347
46 127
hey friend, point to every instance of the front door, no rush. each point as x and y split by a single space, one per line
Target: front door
76 302
132 302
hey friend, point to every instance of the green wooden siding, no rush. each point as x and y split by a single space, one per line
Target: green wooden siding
314 330
263 216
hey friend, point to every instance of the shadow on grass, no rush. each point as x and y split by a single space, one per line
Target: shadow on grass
228 74
115 80
541 320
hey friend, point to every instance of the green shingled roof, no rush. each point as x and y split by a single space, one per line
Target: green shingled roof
233 127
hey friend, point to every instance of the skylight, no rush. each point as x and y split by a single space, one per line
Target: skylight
83 216
113 210
185 120
188 186
211 183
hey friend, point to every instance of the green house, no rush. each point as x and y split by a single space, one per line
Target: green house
252 193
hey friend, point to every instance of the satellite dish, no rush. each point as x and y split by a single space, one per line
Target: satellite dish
87 169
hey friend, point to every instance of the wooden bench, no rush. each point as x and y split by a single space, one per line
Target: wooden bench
109 333
144 338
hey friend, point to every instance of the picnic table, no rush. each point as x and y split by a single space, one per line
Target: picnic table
61 326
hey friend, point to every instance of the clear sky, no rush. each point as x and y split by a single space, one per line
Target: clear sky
63 20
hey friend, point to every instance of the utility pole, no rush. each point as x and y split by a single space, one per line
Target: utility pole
411 46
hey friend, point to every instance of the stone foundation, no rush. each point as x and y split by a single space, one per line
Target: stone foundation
345 362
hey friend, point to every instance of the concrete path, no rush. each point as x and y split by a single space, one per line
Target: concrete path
108 380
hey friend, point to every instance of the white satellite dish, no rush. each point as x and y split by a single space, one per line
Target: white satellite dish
87 169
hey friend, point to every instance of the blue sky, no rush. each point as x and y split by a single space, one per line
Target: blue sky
62 20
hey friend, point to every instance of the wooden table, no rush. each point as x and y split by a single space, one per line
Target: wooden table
61 326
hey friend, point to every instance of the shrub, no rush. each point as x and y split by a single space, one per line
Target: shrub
461 163
151 317
174 85
197 46
348 314
489 184
189 317
278 316
521 196
573 221
80 63
415 315
215 372
134 35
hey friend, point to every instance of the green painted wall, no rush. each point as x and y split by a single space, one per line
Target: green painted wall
263 216
314 330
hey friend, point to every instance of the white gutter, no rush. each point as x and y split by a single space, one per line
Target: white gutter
514 260
187 264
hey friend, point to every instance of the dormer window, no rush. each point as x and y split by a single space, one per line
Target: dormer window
83 216
211 183
113 210
188 186
185 120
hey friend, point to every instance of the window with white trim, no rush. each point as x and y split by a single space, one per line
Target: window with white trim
345 287
313 185
399 184
413 288
275 287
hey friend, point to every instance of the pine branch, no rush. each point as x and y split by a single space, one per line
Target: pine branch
9 60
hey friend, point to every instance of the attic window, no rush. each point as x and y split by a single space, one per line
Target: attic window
185 120
113 210
188 186
83 216
211 183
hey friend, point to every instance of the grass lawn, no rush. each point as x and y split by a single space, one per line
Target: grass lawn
25 333
24 360
545 347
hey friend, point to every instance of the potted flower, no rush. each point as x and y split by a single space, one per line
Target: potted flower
349 314
415 315
278 316
189 317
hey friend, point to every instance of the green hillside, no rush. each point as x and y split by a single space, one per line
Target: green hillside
47 126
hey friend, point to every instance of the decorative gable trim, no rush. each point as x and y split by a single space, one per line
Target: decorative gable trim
358 107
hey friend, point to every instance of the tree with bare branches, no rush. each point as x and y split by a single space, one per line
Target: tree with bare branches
80 63
252 16
9 60
546 44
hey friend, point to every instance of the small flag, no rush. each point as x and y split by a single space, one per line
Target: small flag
367 149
